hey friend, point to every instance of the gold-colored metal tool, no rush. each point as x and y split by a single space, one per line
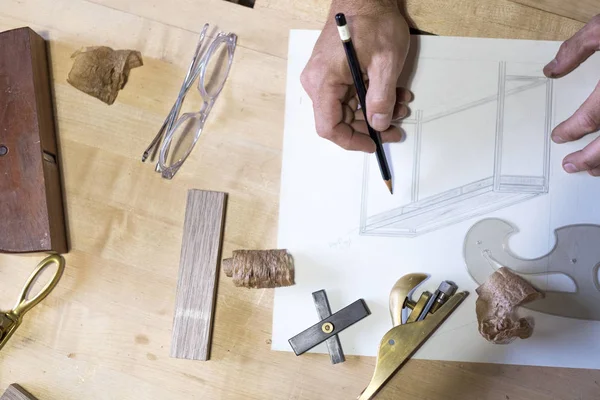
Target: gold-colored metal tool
10 320
419 307
399 296
404 339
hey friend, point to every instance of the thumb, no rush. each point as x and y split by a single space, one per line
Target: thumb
381 94
575 50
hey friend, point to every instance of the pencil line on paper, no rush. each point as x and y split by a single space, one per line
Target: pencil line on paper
433 211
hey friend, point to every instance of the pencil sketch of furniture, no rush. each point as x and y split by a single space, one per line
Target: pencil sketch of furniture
509 164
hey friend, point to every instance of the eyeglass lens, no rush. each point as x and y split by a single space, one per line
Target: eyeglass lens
185 134
217 67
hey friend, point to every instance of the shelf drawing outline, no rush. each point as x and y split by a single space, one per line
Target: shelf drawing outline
477 198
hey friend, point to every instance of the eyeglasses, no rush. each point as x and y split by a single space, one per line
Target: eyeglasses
211 64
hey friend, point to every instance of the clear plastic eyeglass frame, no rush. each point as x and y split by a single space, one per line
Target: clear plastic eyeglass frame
175 125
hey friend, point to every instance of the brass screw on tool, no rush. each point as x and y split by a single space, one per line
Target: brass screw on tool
327 327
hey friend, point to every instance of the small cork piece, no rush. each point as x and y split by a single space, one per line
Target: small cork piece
498 299
259 269
101 71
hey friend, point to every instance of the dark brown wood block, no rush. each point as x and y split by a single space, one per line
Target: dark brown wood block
31 207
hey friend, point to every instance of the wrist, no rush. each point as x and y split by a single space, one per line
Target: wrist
364 7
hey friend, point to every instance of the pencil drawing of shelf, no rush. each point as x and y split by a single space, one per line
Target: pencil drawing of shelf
465 159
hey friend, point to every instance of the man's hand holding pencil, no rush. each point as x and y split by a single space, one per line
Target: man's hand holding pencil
381 38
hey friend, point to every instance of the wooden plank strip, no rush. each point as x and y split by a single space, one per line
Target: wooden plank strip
197 284
580 10
16 392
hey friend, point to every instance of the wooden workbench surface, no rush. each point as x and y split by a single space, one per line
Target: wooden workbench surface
105 332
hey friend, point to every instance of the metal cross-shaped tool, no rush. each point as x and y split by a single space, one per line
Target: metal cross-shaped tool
328 328
406 337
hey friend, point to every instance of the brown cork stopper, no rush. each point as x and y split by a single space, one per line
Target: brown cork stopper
498 298
260 269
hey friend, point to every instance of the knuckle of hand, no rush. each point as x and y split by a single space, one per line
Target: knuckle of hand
304 79
565 47
387 56
307 78
591 41
385 61
590 36
313 74
381 102
344 144
588 159
587 122
324 133
595 24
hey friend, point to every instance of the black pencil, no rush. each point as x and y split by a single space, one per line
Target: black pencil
361 90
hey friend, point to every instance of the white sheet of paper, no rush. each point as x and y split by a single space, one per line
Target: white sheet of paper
333 202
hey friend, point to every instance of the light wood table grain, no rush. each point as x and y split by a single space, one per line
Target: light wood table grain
105 332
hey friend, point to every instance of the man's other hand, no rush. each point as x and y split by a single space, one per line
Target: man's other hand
587 118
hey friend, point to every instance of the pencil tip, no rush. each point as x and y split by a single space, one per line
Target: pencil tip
388 183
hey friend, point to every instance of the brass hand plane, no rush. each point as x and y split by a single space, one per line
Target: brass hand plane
405 338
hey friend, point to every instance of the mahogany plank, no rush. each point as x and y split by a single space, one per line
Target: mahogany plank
32 214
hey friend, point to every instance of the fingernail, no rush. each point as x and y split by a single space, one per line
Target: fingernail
381 122
403 111
557 139
549 68
570 168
